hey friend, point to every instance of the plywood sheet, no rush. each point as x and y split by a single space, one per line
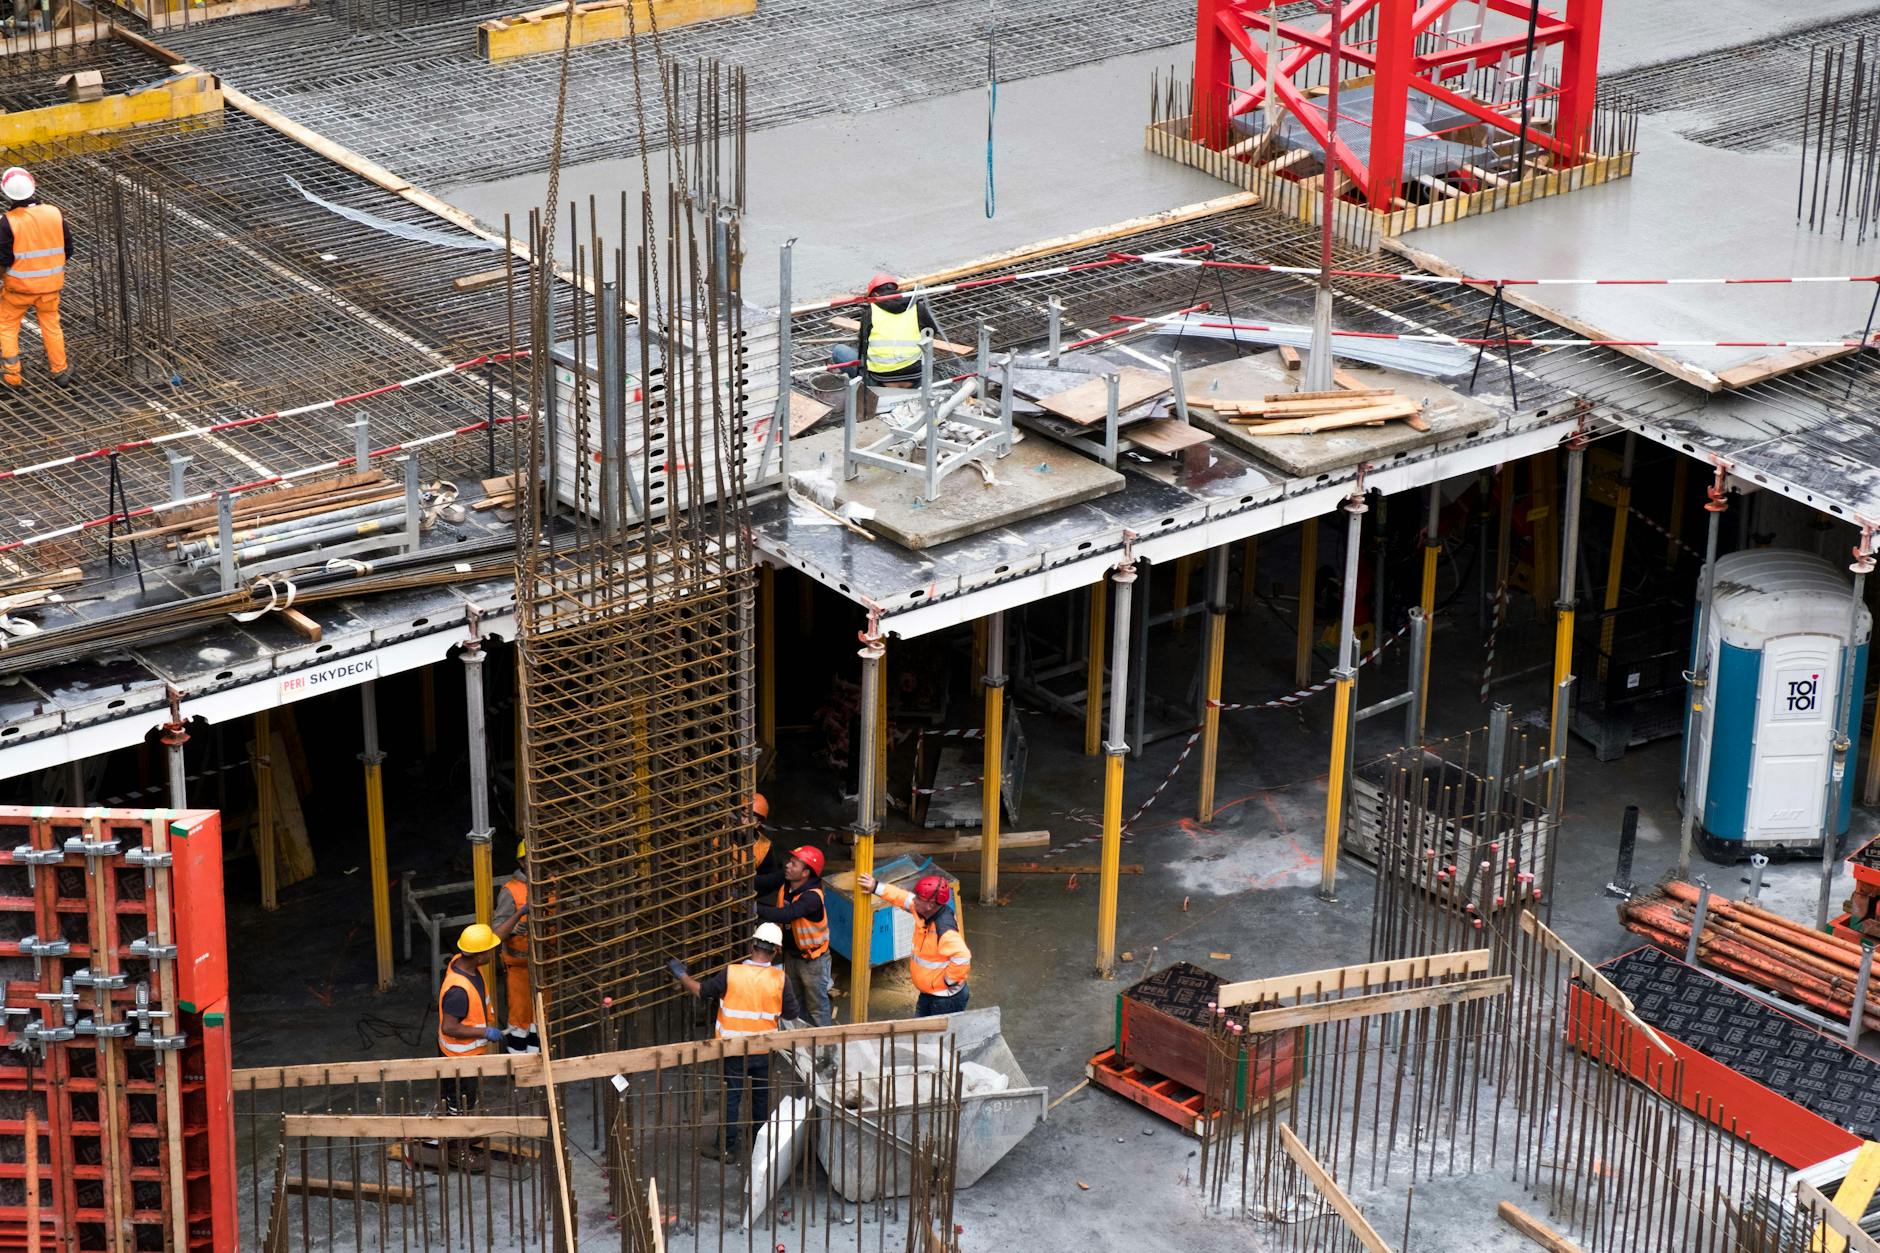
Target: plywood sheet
1167 435
1089 402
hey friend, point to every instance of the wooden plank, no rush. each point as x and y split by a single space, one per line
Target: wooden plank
1166 435
1813 1202
364 1189
842 322
303 626
1046 867
1346 381
1853 1196
1290 355
1377 415
481 279
960 844
1696 376
1089 402
275 1240
1535 1230
389 1070
1334 1195
1365 975
805 412
1342 393
564 1187
295 861
412 1126
652 1211
654 1057
1592 977
1354 1007
1762 369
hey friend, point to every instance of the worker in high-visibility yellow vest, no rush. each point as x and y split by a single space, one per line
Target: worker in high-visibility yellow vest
510 919
888 344
753 998
466 1026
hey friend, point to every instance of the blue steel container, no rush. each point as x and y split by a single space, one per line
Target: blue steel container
1777 638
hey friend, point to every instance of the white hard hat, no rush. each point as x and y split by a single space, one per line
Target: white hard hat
769 933
17 185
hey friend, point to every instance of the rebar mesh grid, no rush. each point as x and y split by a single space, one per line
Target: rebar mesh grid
635 630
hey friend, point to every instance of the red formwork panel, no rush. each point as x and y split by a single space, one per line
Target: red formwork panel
83 882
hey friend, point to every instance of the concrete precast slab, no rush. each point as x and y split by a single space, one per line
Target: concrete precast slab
902 188
1688 211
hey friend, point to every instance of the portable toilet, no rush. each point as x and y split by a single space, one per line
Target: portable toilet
1775 636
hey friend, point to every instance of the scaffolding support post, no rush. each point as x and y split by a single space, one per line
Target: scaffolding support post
1308 589
868 820
1615 555
1847 704
1564 615
1211 693
1700 674
1114 750
1345 675
993 771
266 846
476 732
1093 668
374 760
1426 601
175 735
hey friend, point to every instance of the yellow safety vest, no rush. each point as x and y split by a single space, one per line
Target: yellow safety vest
753 1000
893 338
38 250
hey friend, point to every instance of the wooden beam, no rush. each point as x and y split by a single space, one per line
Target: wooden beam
1853 1196
1535 1230
394 1070
303 626
962 844
1334 1195
1589 974
655 1057
1345 978
1694 375
481 279
564 1188
411 1126
1353 1007
1762 369
364 1189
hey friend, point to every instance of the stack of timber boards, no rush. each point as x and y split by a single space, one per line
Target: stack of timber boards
1308 413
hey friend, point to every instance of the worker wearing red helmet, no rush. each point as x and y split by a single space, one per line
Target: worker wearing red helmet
793 899
940 962
888 345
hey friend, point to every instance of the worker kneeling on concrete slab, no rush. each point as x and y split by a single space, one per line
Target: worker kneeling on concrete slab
940 962
35 244
466 1026
793 898
753 999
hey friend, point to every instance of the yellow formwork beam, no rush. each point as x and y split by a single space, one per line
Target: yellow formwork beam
543 30
194 94
1308 591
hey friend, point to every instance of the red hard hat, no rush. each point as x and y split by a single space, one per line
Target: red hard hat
882 280
934 888
759 805
811 857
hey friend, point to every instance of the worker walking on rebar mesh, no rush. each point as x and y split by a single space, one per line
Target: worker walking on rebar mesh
35 244
940 963
753 998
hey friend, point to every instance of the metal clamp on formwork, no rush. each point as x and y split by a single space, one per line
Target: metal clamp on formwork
940 435
86 977
81 846
37 949
144 950
144 1019
37 1033
103 1030
33 858
143 856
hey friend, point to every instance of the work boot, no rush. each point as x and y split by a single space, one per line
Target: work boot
64 377
730 1153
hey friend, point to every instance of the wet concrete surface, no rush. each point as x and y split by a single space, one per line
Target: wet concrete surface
901 189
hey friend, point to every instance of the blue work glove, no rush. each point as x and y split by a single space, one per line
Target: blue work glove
493 1034
677 967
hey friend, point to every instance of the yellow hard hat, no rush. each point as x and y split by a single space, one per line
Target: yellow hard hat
476 938
522 849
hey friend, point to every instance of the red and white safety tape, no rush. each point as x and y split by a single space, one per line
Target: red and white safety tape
1464 280
216 428
1496 341
288 476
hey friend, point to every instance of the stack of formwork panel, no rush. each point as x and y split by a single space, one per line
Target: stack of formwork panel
116 1039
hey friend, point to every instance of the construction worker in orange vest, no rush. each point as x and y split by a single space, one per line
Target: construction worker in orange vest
793 898
510 917
465 1025
753 998
940 962
35 244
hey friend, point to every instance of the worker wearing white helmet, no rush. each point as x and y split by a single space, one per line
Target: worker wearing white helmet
753 998
35 245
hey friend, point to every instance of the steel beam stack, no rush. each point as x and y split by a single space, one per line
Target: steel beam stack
116 1031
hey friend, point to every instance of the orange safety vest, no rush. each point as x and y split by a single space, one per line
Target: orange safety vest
478 1016
938 956
812 936
38 250
516 943
753 1000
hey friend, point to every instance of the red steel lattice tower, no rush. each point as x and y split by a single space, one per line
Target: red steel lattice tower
1400 46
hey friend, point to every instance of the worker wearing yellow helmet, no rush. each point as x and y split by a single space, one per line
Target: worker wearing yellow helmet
510 919
465 1025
